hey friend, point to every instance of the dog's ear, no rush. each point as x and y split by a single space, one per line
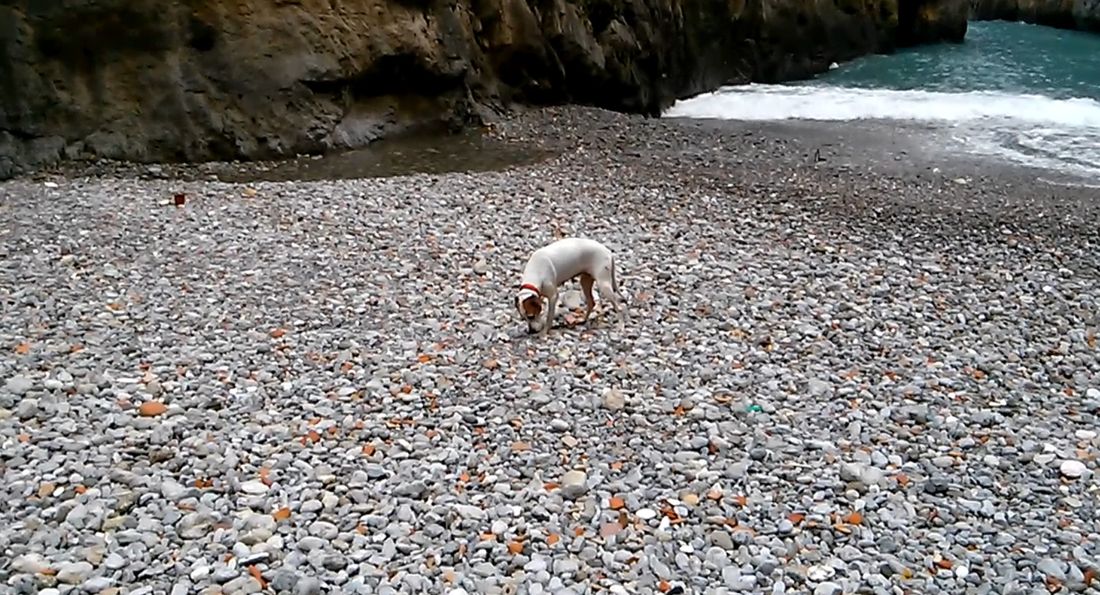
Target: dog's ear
532 306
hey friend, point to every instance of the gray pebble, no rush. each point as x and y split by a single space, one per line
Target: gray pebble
27 408
74 573
308 586
19 385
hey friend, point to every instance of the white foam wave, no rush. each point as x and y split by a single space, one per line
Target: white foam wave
784 102
1031 130
1064 183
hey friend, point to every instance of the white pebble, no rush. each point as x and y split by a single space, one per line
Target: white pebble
614 399
30 564
1072 468
74 573
573 484
255 487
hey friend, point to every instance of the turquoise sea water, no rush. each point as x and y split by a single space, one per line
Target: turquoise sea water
997 56
1019 92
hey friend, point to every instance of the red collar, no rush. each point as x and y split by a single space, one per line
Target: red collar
532 288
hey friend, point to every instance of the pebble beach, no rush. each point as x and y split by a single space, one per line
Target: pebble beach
850 367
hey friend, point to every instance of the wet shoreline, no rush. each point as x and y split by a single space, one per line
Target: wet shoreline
894 148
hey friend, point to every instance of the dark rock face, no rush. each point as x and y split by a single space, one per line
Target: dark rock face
1064 14
933 20
150 80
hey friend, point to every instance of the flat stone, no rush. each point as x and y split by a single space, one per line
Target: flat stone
173 490
1072 469
19 385
308 586
74 573
324 530
722 539
310 543
115 562
254 487
30 564
851 472
1052 568
470 512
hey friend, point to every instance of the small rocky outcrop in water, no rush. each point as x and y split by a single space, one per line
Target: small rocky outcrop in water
933 20
146 80
1064 14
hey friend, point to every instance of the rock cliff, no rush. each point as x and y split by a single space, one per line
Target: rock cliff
1064 14
150 80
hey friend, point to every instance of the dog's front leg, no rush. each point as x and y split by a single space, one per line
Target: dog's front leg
607 289
551 307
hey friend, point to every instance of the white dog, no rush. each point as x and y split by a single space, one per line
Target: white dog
552 265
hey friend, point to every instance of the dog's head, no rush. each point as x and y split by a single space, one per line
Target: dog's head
529 306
